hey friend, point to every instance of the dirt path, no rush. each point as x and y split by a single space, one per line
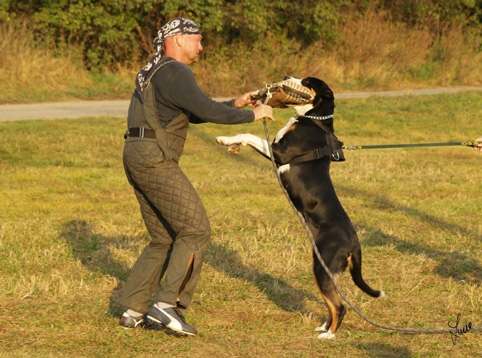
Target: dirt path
52 110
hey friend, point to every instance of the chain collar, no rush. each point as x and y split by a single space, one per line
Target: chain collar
319 118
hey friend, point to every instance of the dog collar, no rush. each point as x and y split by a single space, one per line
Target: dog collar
319 118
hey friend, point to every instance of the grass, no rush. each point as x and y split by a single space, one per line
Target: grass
70 230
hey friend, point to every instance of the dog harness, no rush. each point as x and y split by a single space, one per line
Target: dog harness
333 148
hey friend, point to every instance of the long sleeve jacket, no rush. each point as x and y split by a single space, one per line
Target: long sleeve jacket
176 91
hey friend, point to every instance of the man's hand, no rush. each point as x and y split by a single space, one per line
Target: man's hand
244 100
263 111
479 147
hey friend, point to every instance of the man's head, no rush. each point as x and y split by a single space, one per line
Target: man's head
181 39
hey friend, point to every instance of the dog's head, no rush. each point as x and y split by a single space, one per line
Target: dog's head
287 93
323 104
305 95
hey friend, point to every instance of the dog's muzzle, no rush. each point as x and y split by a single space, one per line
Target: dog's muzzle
284 94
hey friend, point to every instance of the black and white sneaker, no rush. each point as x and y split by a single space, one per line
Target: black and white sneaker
171 318
127 321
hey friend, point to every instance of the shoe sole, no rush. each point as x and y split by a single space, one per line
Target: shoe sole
153 319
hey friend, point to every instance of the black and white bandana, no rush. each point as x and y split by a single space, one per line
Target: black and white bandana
178 25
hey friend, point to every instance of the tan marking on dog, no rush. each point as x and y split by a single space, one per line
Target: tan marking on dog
288 127
233 149
334 314
291 128
350 261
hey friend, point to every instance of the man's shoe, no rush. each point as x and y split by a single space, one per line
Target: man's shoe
171 318
127 321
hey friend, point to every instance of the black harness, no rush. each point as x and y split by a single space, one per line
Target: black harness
333 148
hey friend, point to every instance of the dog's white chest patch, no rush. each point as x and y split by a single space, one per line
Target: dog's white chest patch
283 168
283 130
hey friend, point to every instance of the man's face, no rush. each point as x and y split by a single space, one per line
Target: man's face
191 48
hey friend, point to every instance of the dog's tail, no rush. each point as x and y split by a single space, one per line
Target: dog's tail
355 263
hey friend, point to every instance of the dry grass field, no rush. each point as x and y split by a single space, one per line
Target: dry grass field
70 227
372 54
70 230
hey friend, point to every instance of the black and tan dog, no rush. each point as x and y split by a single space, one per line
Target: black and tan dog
303 151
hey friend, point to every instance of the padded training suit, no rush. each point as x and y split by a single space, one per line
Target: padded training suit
171 209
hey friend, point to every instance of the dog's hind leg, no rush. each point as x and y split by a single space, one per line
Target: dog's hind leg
336 313
323 327
336 310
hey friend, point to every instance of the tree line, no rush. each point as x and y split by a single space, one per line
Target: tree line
105 33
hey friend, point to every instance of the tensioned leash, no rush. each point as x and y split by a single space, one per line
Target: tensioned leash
452 330
415 145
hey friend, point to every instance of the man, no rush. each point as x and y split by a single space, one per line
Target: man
166 99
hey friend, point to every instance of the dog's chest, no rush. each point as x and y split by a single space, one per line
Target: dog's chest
299 136
290 125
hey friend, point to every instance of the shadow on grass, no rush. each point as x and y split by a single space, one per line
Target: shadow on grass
381 350
277 290
94 252
451 264
455 264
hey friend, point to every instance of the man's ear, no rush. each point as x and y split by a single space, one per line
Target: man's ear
180 40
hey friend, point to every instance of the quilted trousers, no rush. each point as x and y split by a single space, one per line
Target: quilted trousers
177 223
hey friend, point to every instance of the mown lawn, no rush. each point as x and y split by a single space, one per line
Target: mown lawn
70 230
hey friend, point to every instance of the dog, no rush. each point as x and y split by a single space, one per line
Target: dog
303 151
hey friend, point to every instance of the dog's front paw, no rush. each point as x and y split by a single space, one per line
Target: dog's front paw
223 140
233 143
233 146
228 140
239 139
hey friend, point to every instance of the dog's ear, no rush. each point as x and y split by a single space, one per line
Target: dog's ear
320 87
329 93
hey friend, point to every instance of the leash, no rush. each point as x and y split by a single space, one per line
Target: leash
453 330
385 146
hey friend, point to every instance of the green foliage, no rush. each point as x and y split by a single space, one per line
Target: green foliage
104 31
435 12
4 5
111 32
208 13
